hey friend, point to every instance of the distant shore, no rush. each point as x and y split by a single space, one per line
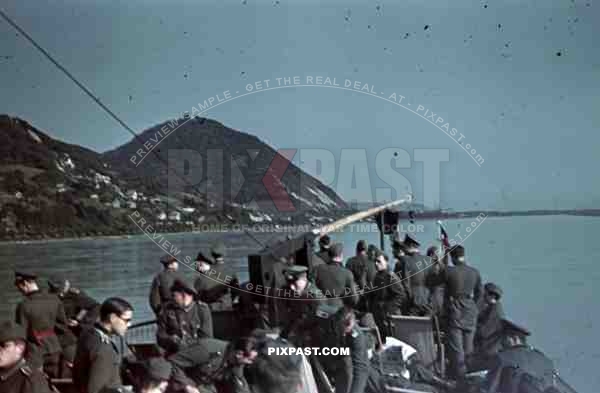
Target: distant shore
426 215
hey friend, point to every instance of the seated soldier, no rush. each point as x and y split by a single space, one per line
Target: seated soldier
183 320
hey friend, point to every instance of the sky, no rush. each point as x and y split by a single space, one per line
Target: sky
491 71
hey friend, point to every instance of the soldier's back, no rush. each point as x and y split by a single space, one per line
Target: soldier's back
40 312
23 378
333 279
416 268
462 280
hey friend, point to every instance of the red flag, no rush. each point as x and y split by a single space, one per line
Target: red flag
444 236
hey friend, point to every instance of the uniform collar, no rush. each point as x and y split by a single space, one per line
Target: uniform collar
5 374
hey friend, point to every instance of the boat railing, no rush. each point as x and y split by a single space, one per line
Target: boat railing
142 332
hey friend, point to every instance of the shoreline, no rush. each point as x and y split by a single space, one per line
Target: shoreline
423 216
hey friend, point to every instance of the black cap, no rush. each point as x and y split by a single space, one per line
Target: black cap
10 331
202 258
372 248
457 251
183 286
493 288
57 283
325 241
397 245
410 242
22 275
432 251
158 369
511 328
336 250
217 250
167 259
293 272
361 246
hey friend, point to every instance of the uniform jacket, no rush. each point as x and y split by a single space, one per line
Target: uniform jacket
41 313
179 326
23 378
98 360
463 291
160 292
336 281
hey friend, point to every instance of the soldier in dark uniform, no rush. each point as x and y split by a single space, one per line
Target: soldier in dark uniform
335 281
488 335
156 375
80 308
463 290
214 282
239 354
324 246
389 296
16 374
183 321
304 299
363 271
435 282
101 349
197 366
160 292
413 269
41 314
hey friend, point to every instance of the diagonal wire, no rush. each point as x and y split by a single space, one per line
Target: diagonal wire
104 107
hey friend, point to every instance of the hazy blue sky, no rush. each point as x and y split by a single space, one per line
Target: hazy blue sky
493 73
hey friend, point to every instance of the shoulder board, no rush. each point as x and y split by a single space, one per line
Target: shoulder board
103 336
26 370
354 333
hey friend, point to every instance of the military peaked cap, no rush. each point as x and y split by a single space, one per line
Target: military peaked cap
410 242
167 259
493 288
158 369
217 250
183 286
512 328
10 331
23 274
292 272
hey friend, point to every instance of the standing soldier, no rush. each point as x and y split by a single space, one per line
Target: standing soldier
99 358
16 375
324 246
81 310
389 295
435 281
413 269
363 271
302 304
335 281
184 320
213 281
160 292
488 336
463 290
41 314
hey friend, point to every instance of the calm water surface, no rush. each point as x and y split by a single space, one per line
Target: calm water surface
547 266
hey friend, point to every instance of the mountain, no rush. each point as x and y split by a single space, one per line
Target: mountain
49 188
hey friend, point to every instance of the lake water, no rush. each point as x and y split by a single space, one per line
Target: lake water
547 266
